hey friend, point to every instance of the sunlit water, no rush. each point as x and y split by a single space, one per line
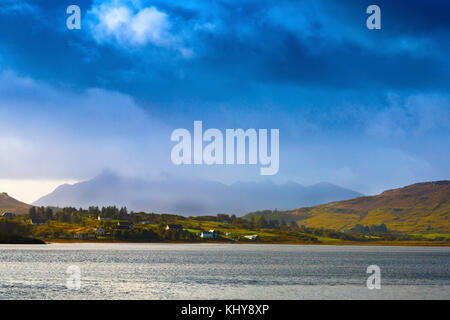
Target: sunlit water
222 271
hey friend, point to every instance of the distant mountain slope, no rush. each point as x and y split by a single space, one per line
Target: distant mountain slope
421 207
8 204
192 197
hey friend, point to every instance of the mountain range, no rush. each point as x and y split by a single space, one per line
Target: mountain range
192 197
418 208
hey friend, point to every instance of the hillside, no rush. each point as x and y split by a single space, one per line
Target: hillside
421 208
8 204
192 197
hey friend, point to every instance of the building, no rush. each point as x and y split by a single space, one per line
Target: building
206 235
176 227
211 234
100 218
214 233
228 234
8 215
37 222
252 237
124 225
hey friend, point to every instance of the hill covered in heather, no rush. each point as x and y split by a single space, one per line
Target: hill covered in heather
421 207
9 204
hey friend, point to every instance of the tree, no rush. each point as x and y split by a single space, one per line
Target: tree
123 213
48 213
261 222
33 213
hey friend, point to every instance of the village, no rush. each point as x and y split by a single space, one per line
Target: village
112 224
105 228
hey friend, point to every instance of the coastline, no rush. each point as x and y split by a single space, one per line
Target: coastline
20 240
328 243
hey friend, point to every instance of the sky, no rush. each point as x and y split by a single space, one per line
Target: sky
365 109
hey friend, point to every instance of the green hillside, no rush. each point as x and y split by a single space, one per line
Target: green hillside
418 208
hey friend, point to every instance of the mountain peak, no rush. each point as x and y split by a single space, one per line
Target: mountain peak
106 174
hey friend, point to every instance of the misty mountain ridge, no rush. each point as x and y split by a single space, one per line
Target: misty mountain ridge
192 197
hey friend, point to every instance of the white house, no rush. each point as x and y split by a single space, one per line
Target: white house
175 227
252 237
215 233
206 235
124 225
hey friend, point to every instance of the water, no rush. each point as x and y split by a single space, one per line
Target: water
222 271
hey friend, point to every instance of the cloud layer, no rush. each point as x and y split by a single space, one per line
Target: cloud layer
55 133
365 109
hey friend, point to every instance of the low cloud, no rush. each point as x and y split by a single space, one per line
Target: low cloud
124 24
411 115
54 133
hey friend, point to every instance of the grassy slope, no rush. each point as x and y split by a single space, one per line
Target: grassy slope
191 225
419 208
8 204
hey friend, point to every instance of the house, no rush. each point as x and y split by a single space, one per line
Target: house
228 234
100 231
211 234
124 225
8 215
206 235
37 222
100 218
176 227
252 237
214 233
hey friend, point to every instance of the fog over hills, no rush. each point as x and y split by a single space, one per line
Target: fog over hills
192 197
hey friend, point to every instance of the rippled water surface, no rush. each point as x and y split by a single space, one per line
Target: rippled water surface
222 271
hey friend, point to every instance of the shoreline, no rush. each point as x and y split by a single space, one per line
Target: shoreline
328 243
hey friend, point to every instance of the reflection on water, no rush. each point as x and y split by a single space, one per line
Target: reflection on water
222 271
